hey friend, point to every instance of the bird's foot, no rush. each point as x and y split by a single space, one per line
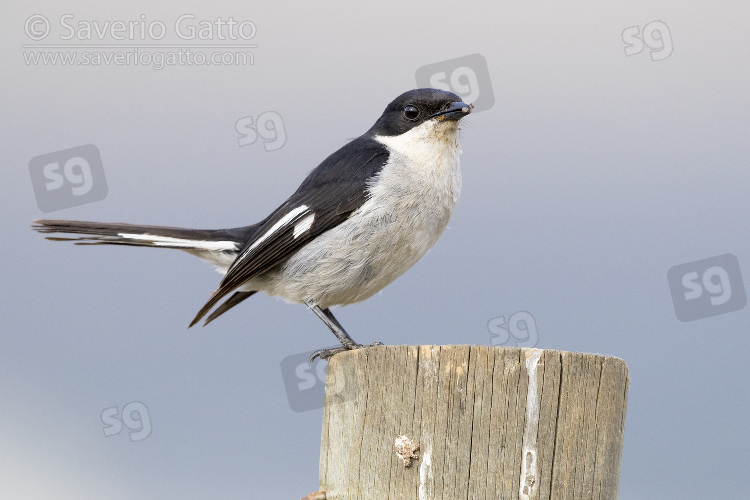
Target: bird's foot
328 353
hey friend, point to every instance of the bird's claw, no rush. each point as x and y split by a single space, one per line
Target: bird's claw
328 353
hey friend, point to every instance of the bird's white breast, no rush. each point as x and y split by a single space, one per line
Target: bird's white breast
409 205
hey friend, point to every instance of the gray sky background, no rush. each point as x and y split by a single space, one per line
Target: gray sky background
592 175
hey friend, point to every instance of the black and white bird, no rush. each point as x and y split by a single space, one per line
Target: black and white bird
358 221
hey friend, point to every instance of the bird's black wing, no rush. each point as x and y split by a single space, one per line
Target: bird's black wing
335 189
236 298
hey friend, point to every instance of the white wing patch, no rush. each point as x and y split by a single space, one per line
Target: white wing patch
167 241
281 223
304 225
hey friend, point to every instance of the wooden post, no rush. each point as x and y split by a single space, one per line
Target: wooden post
489 423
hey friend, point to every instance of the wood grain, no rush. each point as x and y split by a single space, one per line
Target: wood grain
491 422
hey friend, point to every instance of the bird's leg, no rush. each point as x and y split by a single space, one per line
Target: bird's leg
347 343
332 323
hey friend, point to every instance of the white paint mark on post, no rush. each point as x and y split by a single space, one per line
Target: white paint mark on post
425 474
426 481
529 477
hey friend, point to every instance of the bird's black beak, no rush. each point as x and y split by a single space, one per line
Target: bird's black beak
454 111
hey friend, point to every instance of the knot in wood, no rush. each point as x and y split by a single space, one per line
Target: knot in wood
405 449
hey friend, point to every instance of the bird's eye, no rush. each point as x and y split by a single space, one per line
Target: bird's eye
411 112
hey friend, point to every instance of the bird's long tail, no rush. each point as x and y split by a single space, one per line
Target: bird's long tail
114 233
217 246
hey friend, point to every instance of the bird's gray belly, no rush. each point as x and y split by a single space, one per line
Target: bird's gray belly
358 258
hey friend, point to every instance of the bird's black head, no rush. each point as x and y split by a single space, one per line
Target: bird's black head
415 107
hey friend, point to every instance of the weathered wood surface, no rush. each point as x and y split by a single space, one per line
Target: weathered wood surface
491 423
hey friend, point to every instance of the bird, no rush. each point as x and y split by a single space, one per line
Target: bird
359 220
